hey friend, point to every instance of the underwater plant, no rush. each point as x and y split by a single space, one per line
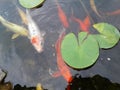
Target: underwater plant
83 51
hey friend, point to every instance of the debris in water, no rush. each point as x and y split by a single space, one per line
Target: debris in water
108 59
2 75
6 86
39 87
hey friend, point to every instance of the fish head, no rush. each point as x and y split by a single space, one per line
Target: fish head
38 43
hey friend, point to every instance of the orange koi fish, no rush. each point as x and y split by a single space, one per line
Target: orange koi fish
84 25
93 6
62 16
116 12
63 68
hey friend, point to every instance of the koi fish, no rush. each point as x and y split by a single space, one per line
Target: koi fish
63 68
16 29
23 16
84 25
116 12
39 87
36 36
62 16
93 6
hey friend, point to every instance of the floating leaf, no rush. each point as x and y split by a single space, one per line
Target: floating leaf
79 53
31 3
109 35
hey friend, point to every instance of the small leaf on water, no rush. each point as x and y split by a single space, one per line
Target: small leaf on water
30 3
79 53
109 35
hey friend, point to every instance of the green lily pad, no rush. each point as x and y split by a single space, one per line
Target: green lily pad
31 3
109 35
79 53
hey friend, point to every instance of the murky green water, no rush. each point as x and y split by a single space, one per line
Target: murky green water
27 67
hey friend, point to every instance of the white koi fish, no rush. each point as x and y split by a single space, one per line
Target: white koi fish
36 36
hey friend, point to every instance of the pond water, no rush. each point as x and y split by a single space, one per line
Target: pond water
27 67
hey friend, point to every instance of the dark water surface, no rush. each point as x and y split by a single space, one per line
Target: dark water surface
27 67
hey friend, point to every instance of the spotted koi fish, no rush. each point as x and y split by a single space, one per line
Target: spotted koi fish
36 36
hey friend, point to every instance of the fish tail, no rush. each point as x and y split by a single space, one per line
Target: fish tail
93 6
27 13
23 16
113 13
72 15
21 13
2 19
29 18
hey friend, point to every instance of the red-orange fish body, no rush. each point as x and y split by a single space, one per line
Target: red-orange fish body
84 25
62 16
63 68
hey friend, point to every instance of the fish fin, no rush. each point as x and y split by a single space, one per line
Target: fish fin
56 74
7 30
15 36
94 8
43 33
2 19
87 21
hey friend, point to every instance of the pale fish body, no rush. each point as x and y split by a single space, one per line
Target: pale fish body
23 16
93 6
39 87
36 36
16 29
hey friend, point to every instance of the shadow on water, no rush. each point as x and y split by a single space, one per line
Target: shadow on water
96 82
27 67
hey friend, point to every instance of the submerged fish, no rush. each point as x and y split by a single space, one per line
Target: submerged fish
16 29
63 68
84 25
39 87
62 15
116 12
36 36
93 6
22 15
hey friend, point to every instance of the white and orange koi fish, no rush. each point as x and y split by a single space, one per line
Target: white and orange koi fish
36 36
